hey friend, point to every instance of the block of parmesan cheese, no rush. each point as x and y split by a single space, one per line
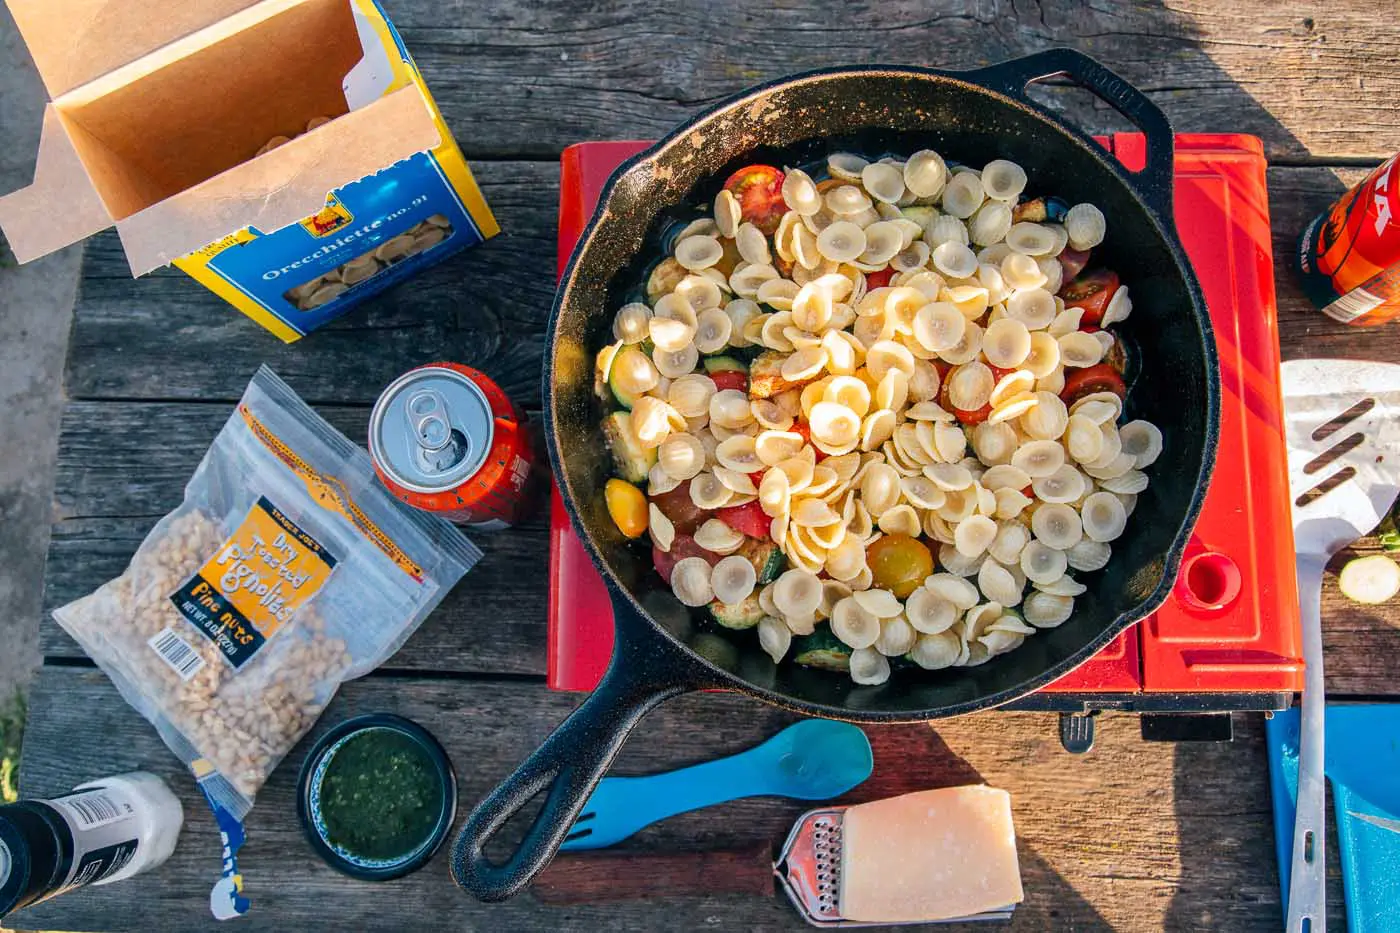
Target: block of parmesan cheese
931 855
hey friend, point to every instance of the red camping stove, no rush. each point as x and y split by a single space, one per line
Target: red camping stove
1228 637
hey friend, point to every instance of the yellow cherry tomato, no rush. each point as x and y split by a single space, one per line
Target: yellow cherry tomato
627 506
899 563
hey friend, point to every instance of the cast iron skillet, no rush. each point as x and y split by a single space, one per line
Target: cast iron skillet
971 117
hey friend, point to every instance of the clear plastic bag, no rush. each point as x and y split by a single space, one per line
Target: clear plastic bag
287 570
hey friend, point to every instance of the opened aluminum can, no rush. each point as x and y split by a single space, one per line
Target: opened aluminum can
444 438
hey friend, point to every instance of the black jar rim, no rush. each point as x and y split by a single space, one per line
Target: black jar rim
447 782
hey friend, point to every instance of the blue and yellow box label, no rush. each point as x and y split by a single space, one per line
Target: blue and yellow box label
371 234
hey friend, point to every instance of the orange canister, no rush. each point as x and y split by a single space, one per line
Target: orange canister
444 438
1349 255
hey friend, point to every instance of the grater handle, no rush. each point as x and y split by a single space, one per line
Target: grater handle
1307 889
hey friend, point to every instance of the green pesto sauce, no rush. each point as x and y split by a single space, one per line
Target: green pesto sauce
381 795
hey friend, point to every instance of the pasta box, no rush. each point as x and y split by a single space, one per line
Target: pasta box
286 154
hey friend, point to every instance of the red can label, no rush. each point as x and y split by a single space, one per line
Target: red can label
493 495
1350 254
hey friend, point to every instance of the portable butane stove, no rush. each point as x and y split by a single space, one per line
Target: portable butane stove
1228 637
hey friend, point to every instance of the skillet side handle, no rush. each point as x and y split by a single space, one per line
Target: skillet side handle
1011 78
646 669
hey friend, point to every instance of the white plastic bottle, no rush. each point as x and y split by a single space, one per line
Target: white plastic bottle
101 832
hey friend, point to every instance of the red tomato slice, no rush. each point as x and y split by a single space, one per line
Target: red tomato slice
1091 379
684 546
759 191
748 518
879 279
1092 292
1073 262
730 379
680 509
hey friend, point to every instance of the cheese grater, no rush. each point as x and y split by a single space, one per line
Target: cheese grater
809 870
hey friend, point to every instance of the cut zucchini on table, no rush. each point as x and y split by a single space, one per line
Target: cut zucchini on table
1370 580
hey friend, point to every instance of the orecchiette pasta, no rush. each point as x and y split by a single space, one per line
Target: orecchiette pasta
878 367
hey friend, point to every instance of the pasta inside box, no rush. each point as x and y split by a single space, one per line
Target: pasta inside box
286 154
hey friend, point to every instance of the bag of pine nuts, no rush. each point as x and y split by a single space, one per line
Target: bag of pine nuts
287 570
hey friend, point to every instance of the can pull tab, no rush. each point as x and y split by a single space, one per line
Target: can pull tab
439 445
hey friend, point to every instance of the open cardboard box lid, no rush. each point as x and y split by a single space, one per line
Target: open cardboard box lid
152 97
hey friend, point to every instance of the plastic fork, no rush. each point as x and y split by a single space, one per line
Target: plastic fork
1343 432
816 759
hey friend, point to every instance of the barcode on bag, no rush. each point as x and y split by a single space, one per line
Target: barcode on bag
177 653
1352 305
91 809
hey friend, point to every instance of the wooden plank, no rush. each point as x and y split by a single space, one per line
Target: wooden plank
1134 836
527 78
488 307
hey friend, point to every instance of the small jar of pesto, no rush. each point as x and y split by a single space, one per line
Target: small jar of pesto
377 797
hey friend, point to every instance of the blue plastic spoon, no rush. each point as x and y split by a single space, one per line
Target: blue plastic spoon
815 759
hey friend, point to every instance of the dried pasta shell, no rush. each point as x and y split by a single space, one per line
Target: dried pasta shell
1063 486
1011 539
998 584
727 213
958 591
740 483
774 637
935 652
847 199
1100 407
653 420
1088 555
800 192
1080 349
681 456
774 493
1057 525
690 581
967 348
929 612
897 637
880 489
882 241
1030 239
1130 483
1005 476
1033 307
659 481
1048 420
882 604
630 324
677 364
963 194
949 441
974 535
1143 441
970 300
671 335
698 252
994 443
1085 226
989 224
752 244
1064 586
690 395
1042 563
707 492
746 281
1044 610
773 447
1006 343
1103 517
901 520
842 241
733 580
1022 272
853 625
717 537
1003 180
662 531
1119 307
954 260
729 408
925 173
739 453
797 594
970 386
1044 358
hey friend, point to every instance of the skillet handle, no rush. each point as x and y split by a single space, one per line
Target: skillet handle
1011 78
646 669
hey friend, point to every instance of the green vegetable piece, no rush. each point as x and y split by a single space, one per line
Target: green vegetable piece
724 364
822 650
1370 580
740 616
631 459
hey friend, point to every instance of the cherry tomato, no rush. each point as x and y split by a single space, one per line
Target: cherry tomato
681 509
899 563
748 518
879 279
682 547
1092 292
627 506
1091 379
1073 262
730 379
966 417
759 191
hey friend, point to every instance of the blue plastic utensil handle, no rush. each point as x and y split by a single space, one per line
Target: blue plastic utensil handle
1363 765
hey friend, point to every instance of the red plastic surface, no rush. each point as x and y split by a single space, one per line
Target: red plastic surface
1238 630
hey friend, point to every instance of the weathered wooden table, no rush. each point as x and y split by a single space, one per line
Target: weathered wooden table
1134 836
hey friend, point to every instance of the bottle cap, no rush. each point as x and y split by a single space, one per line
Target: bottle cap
34 845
